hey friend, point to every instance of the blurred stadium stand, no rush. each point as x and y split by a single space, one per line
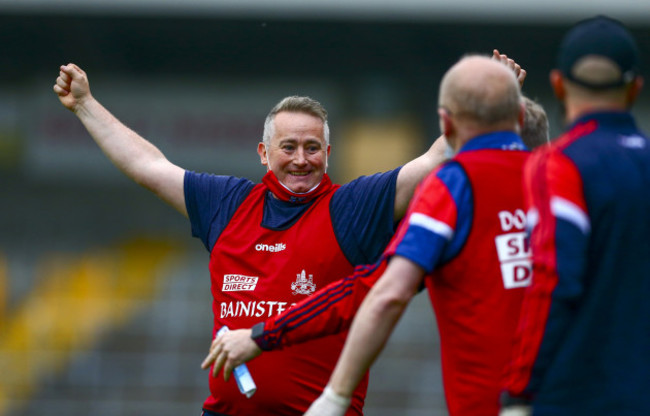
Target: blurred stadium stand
104 296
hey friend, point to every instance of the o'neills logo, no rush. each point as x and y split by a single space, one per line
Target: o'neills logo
271 248
238 282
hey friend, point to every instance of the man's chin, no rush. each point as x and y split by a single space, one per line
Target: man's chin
299 189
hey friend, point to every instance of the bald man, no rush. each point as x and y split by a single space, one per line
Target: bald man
463 237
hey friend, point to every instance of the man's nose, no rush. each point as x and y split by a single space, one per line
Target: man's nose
300 157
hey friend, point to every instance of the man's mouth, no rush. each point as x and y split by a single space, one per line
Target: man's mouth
299 173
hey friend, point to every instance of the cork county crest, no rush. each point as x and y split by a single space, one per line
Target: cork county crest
303 285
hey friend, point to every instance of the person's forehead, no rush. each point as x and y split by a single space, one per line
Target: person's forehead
297 118
298 125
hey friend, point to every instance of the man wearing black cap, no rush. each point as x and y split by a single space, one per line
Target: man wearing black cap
583 345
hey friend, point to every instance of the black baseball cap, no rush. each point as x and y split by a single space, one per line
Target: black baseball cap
600 36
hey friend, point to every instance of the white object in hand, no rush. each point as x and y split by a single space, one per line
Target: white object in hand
242 375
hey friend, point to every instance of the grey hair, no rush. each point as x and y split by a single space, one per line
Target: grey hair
296 104
535 130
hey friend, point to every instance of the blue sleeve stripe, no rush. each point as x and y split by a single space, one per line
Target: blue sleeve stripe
318 303
333 290
272 337
297 313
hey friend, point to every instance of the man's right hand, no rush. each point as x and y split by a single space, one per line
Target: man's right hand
229 350
72 86
136 157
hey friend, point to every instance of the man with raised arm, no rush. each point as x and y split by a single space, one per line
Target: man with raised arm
267 240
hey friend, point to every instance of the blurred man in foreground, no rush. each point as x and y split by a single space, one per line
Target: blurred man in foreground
583 345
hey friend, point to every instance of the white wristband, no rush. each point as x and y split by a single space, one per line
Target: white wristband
333 396
329 404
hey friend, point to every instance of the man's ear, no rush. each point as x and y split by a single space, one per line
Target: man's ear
633 90
261 150
446 124
557 83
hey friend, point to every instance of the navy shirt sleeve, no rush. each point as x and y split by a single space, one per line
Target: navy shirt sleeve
211 201
362 216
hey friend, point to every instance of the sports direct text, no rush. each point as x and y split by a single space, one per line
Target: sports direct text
238 282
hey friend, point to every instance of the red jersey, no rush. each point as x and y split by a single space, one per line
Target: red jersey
258 272
477 294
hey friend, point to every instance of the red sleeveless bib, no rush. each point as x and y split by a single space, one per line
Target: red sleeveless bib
256 273
477 294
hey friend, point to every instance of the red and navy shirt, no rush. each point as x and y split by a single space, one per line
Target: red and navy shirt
267 254
584 336
466 228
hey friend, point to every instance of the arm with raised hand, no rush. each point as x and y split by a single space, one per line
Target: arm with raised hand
414 171
520 73
136 157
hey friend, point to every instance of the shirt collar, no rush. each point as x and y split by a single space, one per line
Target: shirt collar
502 140
605 117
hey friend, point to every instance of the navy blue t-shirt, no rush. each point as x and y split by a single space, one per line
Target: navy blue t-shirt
362 211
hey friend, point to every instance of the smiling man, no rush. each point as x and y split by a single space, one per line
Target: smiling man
271 244
299 151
